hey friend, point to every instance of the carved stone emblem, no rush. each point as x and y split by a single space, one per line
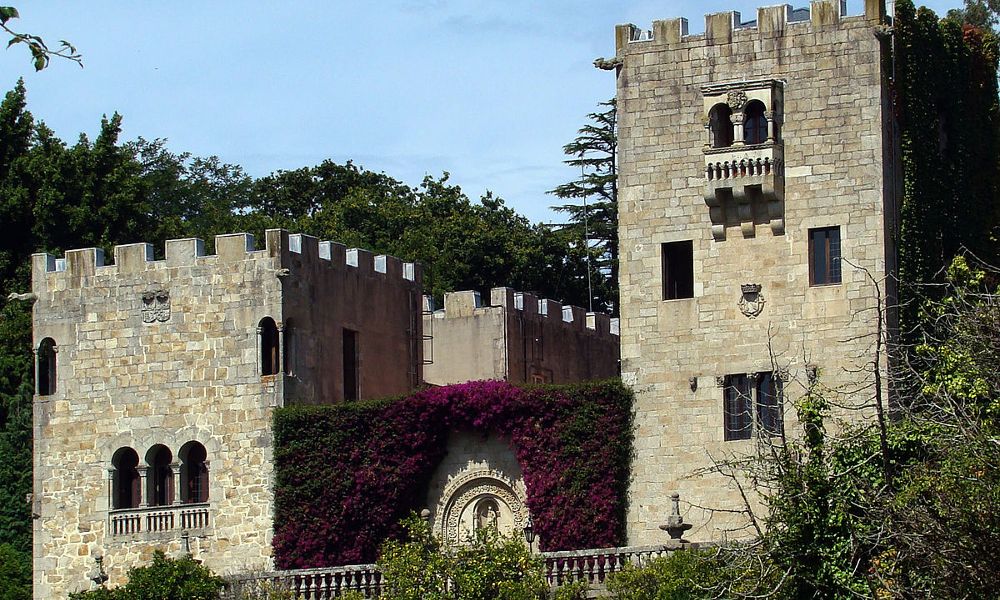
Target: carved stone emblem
751 300
736 99
155 306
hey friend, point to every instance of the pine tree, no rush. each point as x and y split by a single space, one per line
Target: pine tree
593 223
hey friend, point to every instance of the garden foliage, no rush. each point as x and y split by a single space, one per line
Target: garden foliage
490 567
164 579
347 474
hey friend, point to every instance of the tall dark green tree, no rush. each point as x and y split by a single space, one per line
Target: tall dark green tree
592 221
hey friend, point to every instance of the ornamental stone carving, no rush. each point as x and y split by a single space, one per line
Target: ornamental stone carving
751 300
736 99
478 497
155 306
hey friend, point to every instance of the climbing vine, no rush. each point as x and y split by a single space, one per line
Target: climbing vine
347 474
945 92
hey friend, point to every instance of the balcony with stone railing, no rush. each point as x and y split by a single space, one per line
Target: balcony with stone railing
159 519
590 566
749 180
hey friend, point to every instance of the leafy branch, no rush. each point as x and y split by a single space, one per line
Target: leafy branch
40 52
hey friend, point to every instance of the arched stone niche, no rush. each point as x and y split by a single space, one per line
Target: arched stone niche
478 484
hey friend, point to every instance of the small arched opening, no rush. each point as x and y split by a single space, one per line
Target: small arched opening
47 367
270 358
160 478
125 481
194 473
720 124
754 123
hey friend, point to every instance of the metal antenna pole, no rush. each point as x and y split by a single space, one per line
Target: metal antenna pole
586 245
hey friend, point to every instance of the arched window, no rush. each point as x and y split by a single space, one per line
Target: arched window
125 480
47 367
720 123
754 123
194 473
160 478
270 360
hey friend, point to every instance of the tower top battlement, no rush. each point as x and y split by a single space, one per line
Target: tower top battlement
728 27
284 250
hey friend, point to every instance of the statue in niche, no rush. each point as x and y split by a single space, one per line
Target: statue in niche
487 514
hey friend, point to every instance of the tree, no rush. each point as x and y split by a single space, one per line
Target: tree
594 224
40 52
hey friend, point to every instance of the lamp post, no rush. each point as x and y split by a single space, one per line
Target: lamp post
529 532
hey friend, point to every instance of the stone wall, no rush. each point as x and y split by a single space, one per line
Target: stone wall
519 338
831 165
167 352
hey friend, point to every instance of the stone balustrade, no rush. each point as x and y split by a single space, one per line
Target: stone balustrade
592 566
178 517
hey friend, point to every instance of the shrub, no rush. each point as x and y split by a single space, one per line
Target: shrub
490 567
684 575
164 579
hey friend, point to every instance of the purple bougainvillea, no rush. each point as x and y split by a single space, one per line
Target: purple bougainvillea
346 474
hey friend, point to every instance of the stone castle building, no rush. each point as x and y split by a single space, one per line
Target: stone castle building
157 380
758 189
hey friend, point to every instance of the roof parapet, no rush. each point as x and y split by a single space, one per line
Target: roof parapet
772 21
79 264
466 303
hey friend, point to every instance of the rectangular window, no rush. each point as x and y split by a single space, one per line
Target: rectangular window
678 270
768 404
752 401
824 256
351 365
737 407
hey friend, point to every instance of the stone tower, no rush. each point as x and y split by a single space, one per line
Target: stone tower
157 380
758 190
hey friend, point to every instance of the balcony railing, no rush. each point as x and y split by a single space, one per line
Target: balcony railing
748 183
590 566
154 519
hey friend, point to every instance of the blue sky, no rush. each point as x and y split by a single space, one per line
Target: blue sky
488 91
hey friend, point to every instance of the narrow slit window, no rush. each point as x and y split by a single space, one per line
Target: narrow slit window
270 359
351 379
47 367
678 270
824 256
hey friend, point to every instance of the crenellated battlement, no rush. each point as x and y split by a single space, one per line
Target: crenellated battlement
284 251
469 303
728 27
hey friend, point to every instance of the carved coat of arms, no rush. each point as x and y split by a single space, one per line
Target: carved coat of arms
155 306
751 300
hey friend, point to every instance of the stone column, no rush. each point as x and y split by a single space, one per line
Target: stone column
769 115
738 127
144 486
175 496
